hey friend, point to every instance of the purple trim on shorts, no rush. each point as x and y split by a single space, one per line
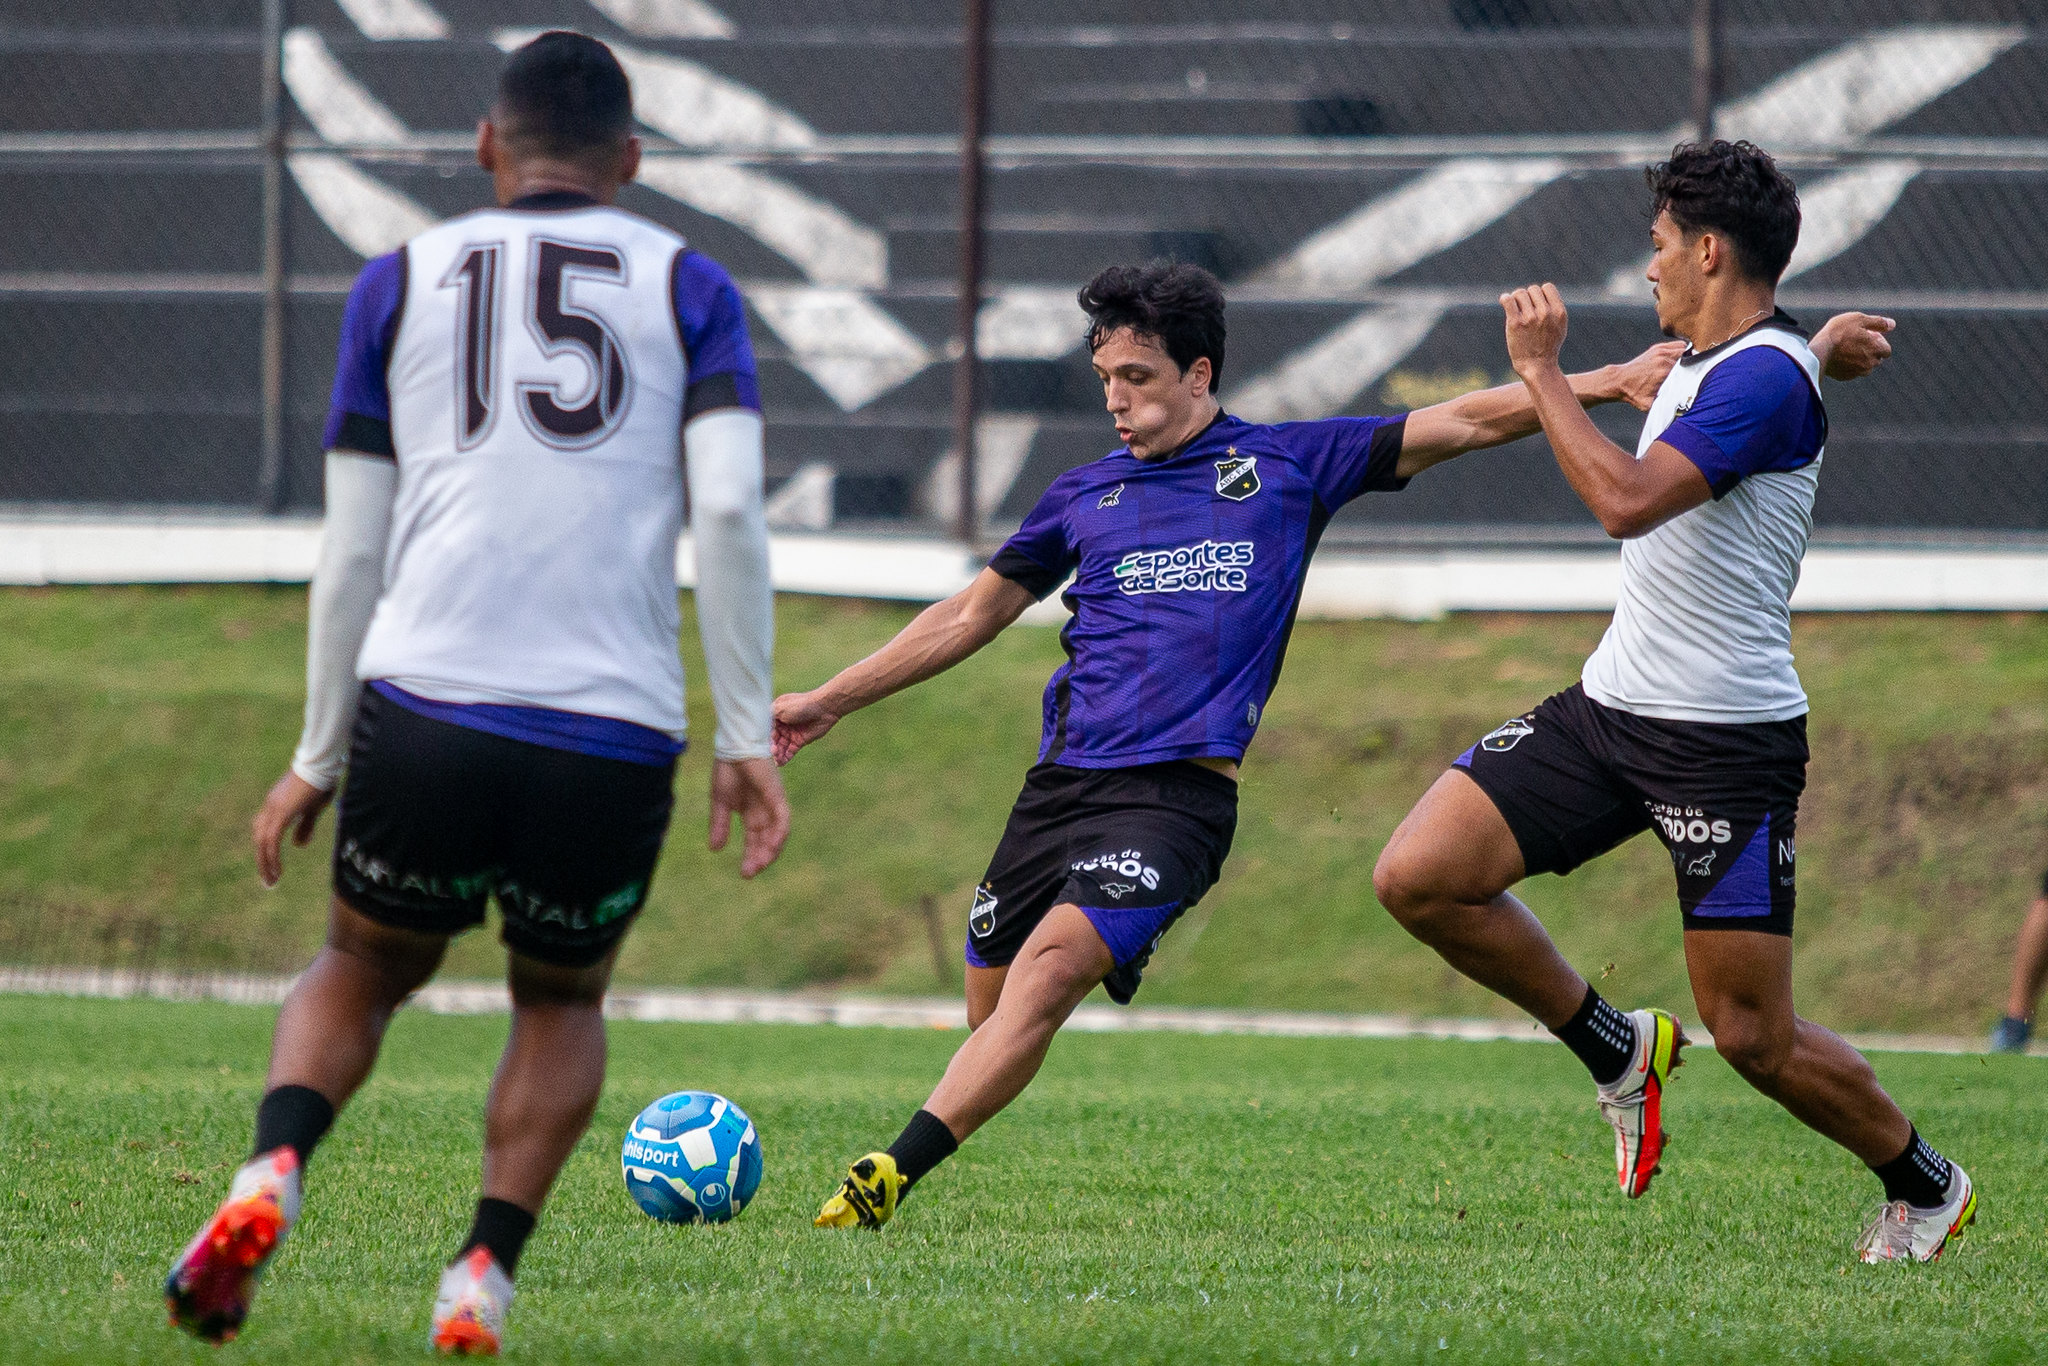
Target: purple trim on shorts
1130 930
1745 889
1464 760
601 737
975 960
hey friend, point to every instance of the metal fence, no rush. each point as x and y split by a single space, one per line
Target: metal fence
191 184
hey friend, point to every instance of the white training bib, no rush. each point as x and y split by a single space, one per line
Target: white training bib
537 380
1703 627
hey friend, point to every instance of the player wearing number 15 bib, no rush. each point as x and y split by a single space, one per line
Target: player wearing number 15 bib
492 656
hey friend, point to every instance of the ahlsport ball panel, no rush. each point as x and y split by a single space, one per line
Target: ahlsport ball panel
689 1156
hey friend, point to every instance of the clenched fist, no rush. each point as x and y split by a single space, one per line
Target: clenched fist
1536 327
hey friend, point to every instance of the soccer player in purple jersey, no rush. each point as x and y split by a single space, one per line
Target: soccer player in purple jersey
1188 548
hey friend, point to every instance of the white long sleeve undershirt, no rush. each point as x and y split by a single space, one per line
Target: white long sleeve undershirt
735 599
361 490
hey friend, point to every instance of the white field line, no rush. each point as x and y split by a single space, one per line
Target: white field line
666 18
861 1012
1862 86
387 19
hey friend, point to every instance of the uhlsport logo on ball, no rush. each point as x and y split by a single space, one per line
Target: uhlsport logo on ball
690 1156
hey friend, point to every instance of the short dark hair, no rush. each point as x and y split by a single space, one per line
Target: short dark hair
1177 305
1736 189
564 94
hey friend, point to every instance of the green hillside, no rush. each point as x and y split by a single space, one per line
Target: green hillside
140 726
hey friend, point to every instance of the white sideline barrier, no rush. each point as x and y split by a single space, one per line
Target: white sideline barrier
1342 584
800 1008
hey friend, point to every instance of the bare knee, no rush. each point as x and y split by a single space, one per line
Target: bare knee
1397 884
1415 892
1753 1045
1053 972
538 985
398 962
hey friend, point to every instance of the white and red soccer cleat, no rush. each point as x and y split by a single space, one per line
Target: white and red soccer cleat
1898 1232
1633 1103
469 1313
213 1281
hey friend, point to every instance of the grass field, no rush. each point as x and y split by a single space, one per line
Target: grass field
139 728
1152 1198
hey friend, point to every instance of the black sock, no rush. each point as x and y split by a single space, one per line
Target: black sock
1919 1176
924 1143
1603 1037
502 1227
295 1117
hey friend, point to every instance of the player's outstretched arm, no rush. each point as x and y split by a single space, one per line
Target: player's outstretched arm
942 635
1494 417
1631 497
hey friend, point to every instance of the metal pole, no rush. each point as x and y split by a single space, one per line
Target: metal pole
1706 68
966 370
270 464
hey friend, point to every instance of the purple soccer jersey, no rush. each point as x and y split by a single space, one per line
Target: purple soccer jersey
1187 573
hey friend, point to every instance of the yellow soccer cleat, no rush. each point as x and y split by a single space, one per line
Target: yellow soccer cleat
867 1197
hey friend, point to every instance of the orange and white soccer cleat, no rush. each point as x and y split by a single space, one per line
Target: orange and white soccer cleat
1898 1232
469 1313
213 1281
1633 1103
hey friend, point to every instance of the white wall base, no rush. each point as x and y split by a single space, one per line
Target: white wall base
1341 584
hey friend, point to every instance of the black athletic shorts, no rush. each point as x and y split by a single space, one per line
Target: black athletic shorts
1574 779
437 818
1134 848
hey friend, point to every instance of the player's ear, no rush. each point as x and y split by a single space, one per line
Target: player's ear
1713 252
629 161
487 146
1201 374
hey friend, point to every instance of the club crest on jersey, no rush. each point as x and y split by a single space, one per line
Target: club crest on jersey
982 919
1237 476
1111 499
1504 738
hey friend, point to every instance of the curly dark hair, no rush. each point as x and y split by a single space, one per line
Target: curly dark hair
1177 305
1733 188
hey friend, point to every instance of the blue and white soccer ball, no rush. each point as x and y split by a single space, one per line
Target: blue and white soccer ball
691 1156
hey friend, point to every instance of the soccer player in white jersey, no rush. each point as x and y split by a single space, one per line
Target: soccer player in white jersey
493 651
1690 720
